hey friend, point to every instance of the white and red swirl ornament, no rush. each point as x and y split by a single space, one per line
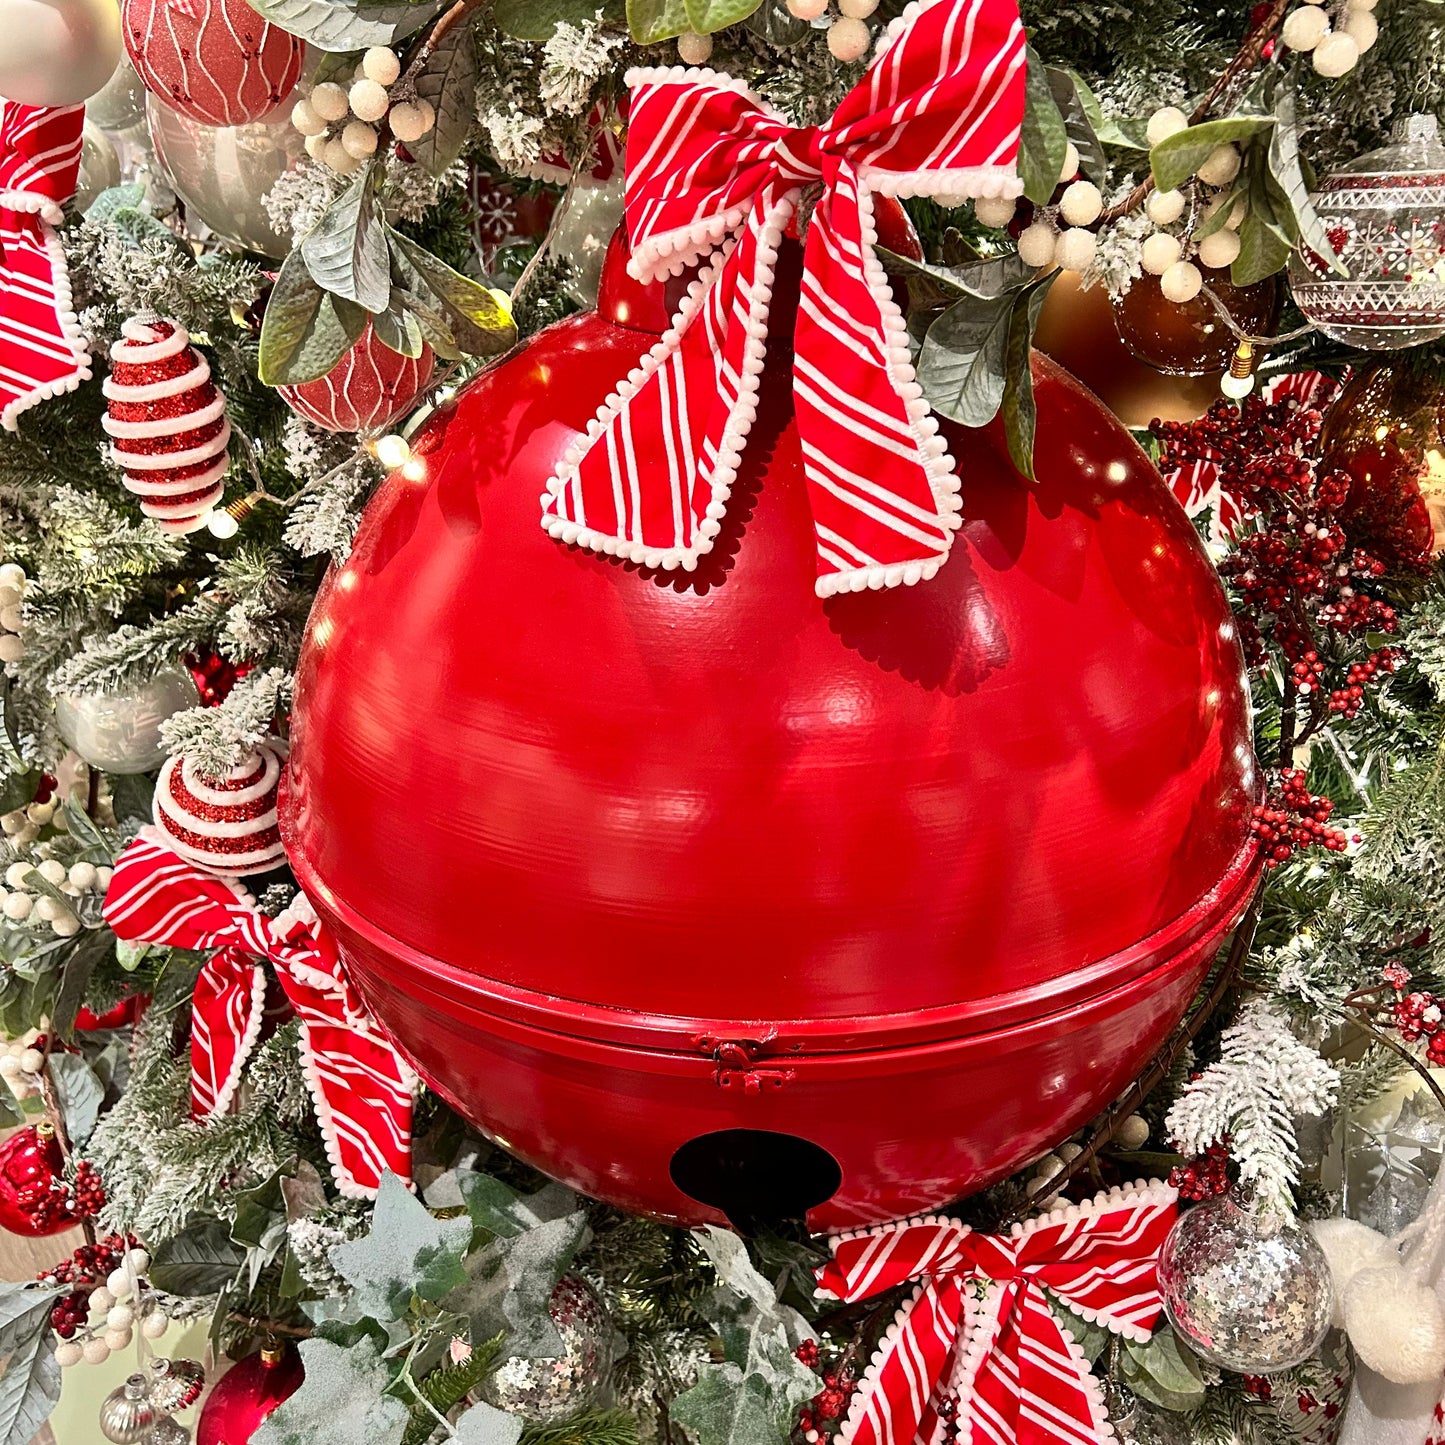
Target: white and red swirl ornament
711 168
361 1087
167 423
216 61
225 825
369 387
976 1348
42 350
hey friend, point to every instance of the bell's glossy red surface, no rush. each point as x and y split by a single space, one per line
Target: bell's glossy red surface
630 861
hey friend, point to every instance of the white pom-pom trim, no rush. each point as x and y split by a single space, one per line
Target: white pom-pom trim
255 1017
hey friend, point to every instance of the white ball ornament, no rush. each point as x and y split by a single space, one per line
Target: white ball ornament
84 875
138 1260
338 158
1360 5
857 9
692 48
1181 282
1070 167
66 926
368 100
103 875
32 1061
381 65
1133 1132
1159 253
1335 55
117 1339
1164 207
1395 1324
1082 204
59 53
1219 250
1220 166
68 1353
155 1325
95 1351
12 649
17 907
119 1317
316 146
1304 28
848 40
406 122
119 1284
994 210
48 909
809 10
1166 121
1037 245
10 1066
1362 27
329 101
52 870
11 618
1349 1247
13 576
306 120
1076 249
17 875
101 1299
359 139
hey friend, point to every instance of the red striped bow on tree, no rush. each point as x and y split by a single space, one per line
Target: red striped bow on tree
361 1087
710 165
42 352
977 1342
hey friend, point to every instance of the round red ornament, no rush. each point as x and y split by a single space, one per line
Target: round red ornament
34 1201
247 1394
743 903
167 423
369 387
224 825
121 1016
216 61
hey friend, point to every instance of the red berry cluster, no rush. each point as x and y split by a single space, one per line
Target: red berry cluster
90 1265
1346 700
830 1404
1204 1177
88 1191
1258 1386
1420 1016
1293 818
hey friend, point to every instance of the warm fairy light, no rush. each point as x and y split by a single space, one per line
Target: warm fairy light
1238 381
392 451
224 522
414 470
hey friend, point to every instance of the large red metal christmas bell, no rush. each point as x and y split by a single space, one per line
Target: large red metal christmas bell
709 897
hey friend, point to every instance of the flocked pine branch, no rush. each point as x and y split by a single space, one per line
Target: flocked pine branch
216 739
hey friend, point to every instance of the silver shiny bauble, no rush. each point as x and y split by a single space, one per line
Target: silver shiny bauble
176 1384
99 165
121 101
120 732
1245 1291
127 1414
544 1391
168 1432
223 172
57 52
583 231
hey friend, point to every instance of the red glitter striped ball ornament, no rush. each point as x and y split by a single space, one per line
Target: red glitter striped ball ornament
216 61
368 388
167 422
225 825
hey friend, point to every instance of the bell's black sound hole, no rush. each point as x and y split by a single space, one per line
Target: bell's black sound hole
758 1178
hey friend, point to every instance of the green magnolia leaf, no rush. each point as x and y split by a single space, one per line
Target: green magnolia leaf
340 1402
1127 132
1219 219
333 25
1043 142
538 19
397 329
478 324
17 789
98 845
484 1424
1265 236
1068 91
346 253
1019 414
773 22
29 1386
259 1226
1288 176
306 330
24 1308
1162 1372
91 947
409 1254
1176 158
429 321
706 16
653 20
961 365
11 1113
201 1259
79 1093
1090 1338
132 796
448 81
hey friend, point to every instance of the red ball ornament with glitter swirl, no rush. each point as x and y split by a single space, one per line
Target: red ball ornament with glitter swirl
216 61
247 1394
369 387
167 423
224 825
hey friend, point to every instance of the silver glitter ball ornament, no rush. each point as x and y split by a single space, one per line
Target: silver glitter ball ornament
1246 1291
545 1391
120 732
168 1432
127 1414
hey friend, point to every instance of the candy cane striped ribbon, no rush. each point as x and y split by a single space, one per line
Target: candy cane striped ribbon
42 350
710 166
360 1085
976 1347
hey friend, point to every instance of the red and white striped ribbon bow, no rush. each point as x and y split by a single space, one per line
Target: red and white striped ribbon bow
976 1347
42 351
360 1085
710 165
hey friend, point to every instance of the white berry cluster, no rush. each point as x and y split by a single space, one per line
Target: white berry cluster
848 34
25 900
1333 50
126 1298
1060 236
340 124
12 593
21 1064
1133 1134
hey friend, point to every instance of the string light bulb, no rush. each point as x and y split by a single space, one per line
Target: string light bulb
392 451
1238 381
224 522
414 469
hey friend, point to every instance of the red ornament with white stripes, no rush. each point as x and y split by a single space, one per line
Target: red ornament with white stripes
224 825
216 61
368 388
167 423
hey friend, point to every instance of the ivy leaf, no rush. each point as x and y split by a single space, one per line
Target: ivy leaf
346 253
1043 141
961 365
653 20
79 1093
706 16
306 330
29 1386
484 1424
539 19
478 324
1069 93
340 1402
201 1259
408 1254
1019 414
448 81
333 25
1177 157
1288 176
